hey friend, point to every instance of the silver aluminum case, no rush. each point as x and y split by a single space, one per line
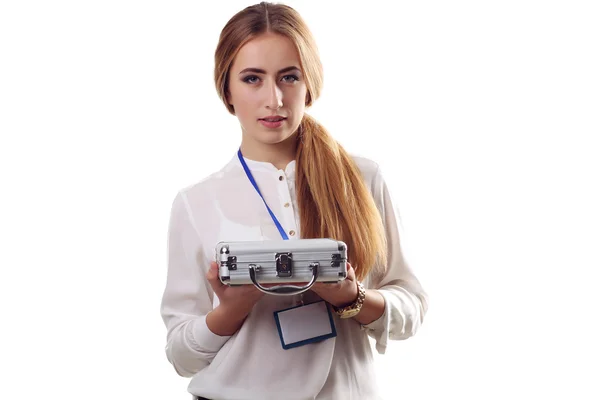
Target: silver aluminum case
235 259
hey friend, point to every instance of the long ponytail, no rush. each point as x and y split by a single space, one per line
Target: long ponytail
333 199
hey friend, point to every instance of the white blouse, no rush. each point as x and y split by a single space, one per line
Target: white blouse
252 364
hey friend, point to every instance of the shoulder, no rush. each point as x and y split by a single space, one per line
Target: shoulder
376 179
369 169
212 183
367 166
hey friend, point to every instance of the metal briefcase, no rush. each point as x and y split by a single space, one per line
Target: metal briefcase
282 262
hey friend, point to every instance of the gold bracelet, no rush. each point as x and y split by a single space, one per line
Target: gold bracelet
354 308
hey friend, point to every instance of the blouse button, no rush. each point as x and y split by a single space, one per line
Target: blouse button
292 233
286 205
281 178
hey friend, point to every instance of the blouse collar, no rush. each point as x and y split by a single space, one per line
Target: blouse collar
264 166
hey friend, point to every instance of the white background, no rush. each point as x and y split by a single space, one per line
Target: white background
485 116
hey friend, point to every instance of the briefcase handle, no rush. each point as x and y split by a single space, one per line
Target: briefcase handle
283 290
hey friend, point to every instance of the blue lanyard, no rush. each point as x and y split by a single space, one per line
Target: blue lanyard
253 182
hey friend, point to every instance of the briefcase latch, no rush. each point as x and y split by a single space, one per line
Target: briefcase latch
231 263
336 260
283 265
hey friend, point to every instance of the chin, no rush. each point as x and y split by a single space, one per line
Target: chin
274 138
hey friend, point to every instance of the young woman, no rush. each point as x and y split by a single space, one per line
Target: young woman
267 72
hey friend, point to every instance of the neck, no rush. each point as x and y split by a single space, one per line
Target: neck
278 154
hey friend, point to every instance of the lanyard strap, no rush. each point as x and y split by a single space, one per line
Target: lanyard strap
253 182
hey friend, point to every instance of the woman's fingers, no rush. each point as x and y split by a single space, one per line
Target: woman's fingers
213 277
350 274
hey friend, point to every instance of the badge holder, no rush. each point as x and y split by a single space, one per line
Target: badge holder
304 324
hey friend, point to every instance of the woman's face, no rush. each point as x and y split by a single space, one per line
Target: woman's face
265 81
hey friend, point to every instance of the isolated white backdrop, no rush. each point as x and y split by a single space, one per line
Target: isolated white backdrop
485 116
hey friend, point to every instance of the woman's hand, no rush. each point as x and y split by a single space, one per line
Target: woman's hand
235 303
241 297
339 294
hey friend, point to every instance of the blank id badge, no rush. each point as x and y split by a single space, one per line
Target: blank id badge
304 324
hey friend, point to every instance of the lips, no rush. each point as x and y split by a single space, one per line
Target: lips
273 119
272 122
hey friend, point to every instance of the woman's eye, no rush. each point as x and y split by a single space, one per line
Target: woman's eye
290 78
251 79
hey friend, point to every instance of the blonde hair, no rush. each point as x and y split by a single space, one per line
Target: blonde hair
333 199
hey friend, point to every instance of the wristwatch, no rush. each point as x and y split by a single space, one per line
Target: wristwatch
354 308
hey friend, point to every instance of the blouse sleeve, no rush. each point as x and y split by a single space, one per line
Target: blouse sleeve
405 299
187 297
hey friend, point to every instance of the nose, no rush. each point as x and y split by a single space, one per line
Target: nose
274 96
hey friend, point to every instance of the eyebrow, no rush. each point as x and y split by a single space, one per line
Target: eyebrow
262 71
